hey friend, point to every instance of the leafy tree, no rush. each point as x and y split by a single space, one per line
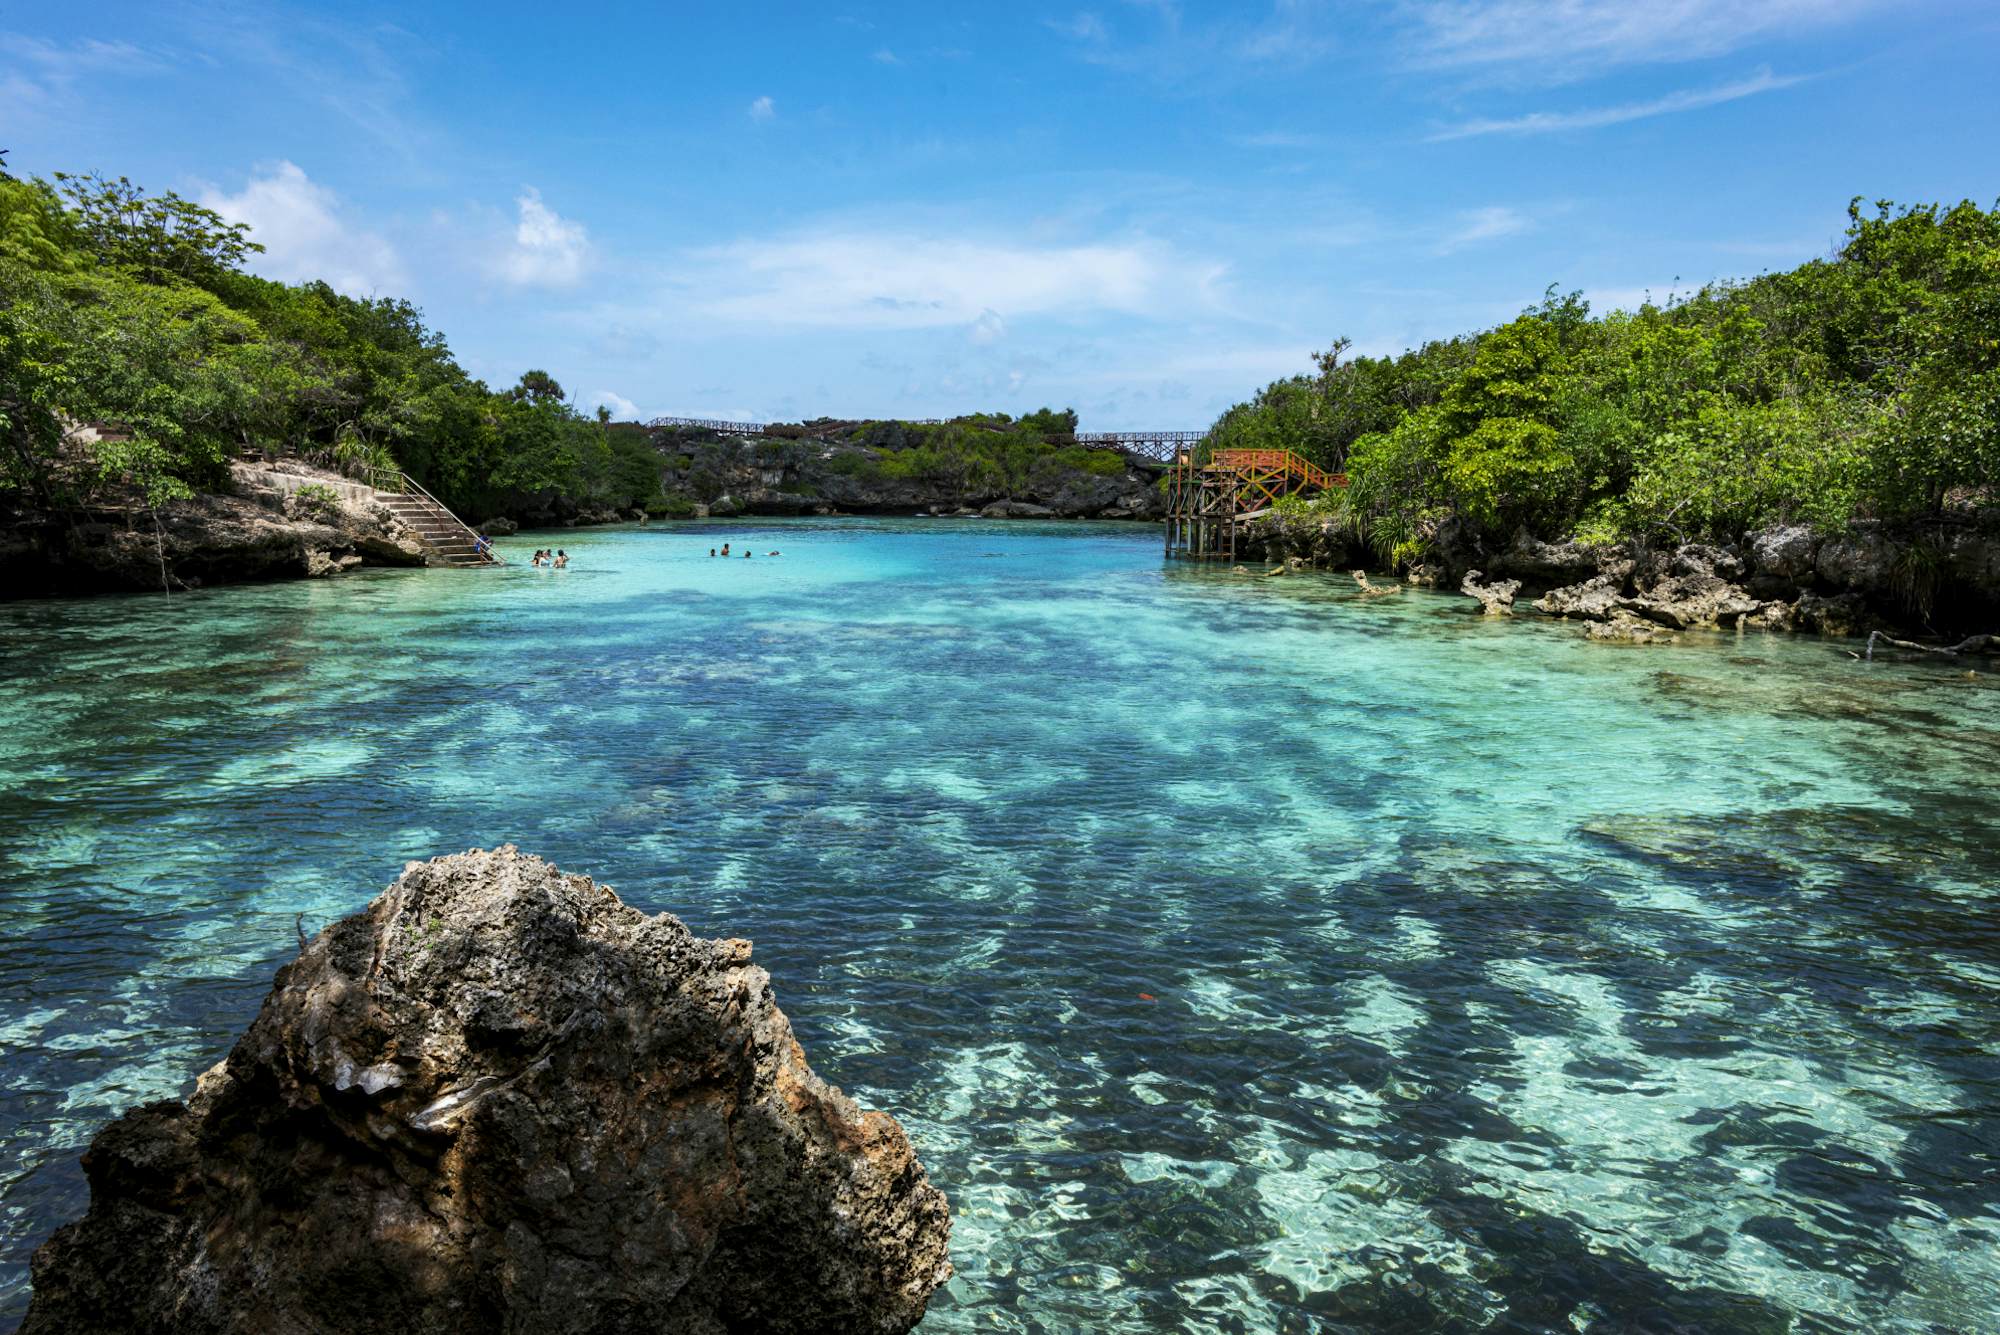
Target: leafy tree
1049 422
537 387
1505 463
159 236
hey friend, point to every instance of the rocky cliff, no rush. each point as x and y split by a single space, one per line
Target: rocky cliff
501 1099
1946 580
254 533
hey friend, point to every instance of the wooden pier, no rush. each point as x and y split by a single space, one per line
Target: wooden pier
1210 499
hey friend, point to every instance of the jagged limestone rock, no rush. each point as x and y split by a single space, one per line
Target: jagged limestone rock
501 1099
1841 614
1497 598
1684 602
1594 599
1624 628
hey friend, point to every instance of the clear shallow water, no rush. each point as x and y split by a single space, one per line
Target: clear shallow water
1239 956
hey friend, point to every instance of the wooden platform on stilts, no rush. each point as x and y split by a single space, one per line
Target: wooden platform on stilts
1210 499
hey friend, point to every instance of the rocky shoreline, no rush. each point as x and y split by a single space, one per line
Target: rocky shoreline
501 1099
1936 585
1785 578
259 532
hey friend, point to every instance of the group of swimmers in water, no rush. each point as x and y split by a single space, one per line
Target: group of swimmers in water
559 559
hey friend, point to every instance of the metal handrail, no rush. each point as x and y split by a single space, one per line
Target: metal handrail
710 424
485 551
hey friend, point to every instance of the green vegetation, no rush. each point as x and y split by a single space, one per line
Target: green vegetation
981 453
1862 386
134 310
977 455
316 501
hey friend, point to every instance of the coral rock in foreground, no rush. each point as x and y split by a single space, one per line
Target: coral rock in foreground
500 1099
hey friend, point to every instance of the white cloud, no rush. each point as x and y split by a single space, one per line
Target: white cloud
1083 27
886 57
1160 44
305 236
1558 39
1487 224
46 80
88 56
763 109
1296 33
988 328
622 408
1280 139
1692 99
876 280
361 72
548 250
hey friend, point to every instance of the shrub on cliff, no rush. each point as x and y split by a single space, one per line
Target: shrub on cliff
314 501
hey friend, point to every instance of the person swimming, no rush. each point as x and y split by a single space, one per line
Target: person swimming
562 559
711 551
725 549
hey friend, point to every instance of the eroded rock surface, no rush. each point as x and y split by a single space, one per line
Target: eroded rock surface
1945 580
254 534
500 1099
1532 560
1497 598
1315 539
1594 599
1623 627
1694 599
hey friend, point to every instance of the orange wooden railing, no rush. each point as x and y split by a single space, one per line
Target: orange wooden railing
1277 461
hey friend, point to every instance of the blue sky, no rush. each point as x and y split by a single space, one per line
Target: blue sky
1144 210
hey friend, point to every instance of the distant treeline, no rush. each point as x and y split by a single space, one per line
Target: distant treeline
1865 385
976 454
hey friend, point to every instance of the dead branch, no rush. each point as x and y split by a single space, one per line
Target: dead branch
1975 644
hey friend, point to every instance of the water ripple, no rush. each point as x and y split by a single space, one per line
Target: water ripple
1240 956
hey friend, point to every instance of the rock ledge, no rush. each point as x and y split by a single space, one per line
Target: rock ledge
500 1099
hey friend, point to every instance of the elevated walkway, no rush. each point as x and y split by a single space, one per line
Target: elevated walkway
1209 501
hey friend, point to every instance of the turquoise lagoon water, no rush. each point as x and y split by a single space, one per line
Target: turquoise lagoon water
1239 955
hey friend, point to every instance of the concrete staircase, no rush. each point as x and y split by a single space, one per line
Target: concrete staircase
448 541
